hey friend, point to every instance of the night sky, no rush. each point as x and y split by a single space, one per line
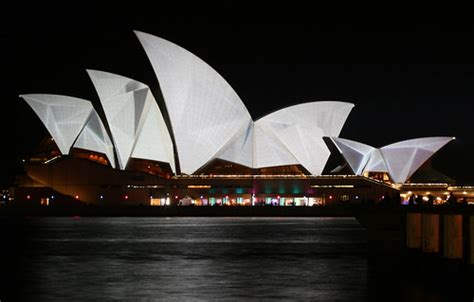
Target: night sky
407 81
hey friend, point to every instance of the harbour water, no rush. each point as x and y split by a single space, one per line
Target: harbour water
203 259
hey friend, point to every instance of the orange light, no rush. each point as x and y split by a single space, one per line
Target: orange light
199 186
77 196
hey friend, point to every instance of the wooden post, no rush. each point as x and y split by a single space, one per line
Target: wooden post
430 230
413 234
453 246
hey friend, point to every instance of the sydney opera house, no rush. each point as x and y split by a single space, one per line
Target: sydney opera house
196 143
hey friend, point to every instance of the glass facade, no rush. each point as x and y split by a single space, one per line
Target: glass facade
268 200
248 199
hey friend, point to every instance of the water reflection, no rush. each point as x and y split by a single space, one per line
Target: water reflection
202 259
196 259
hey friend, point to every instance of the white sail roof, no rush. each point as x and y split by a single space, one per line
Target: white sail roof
356 154
289 136
240 150
268 150
210 121
71 121
94 137
376 163
205 112
301 128
63 116
136 123
400 160
405 157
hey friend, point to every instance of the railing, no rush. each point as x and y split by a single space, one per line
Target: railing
268 176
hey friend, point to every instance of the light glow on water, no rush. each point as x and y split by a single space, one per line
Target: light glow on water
197 258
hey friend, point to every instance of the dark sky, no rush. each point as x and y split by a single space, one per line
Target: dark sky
406 80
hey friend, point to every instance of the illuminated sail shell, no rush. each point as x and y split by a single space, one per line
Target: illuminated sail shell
136 123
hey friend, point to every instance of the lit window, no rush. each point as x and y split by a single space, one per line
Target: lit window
156 202
44 201
344 197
